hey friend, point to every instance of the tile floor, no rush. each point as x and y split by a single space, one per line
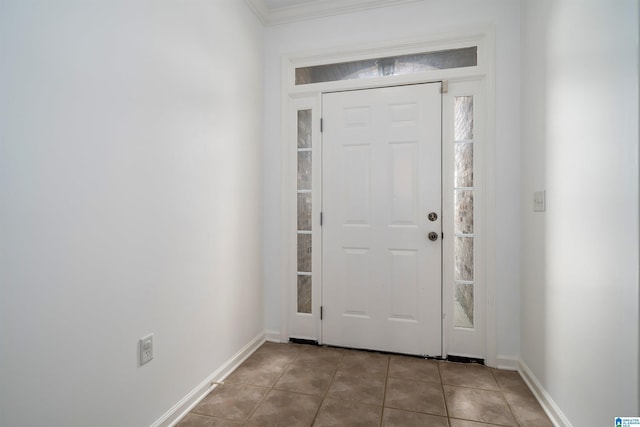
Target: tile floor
303 385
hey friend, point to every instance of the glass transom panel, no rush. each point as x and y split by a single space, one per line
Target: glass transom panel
388 66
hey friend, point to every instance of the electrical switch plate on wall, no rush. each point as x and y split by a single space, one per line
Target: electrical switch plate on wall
146 349
539 204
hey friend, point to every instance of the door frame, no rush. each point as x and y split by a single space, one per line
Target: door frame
480 80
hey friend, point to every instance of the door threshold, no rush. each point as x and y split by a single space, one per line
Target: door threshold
368 350
303 341
449 358
463 359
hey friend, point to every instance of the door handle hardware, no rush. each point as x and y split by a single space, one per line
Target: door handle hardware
433 236
432 216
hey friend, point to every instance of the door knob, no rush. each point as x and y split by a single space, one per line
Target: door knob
433 236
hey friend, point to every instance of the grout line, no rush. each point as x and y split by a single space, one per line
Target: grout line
246 420
271 388
333 376
513 414
356 402
384 392
444 397
482 423
467 387
297 356
211 417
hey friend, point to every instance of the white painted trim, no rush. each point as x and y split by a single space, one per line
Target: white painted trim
489 200
259 8
508 363
317 9
434 42
481 37
286 182
553 411
304 325
272 336
187 403
462 341
484 38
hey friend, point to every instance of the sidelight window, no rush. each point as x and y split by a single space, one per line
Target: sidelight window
304 285
463 213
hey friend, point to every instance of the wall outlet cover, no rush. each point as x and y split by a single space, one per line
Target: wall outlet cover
146 349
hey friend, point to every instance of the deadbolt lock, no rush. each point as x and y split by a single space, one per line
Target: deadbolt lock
433 236
432 216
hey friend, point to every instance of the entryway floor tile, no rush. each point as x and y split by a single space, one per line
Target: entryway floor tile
305 385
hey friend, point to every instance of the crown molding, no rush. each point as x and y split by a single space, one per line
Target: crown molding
259 8
316 9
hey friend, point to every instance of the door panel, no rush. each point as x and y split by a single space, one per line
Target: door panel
381 177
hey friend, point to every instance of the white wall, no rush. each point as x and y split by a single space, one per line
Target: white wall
580 258
130 166
384 25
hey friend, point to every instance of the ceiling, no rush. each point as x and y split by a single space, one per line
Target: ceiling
274 12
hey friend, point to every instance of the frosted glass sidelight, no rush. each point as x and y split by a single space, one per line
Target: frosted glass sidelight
464 258
390 66
304 211
304 253
303 287
464 212
463 309
304 129
304 294
463 110
464 165
304 170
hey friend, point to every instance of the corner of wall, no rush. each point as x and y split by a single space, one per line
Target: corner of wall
552 410
216 378
272 335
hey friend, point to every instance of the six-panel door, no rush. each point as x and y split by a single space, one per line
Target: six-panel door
382 279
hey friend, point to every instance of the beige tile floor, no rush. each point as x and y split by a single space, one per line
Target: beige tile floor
303 385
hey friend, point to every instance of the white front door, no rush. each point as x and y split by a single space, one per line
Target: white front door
382 275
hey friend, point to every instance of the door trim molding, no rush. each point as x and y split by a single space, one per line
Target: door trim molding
309 96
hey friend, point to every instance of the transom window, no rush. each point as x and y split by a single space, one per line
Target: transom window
389 66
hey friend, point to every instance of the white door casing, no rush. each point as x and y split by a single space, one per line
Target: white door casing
382 276
477 81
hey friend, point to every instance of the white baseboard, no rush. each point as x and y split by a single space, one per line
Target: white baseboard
508 363
556 416
187 403
272 336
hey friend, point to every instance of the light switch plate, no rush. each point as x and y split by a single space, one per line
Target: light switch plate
146 349
539 202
